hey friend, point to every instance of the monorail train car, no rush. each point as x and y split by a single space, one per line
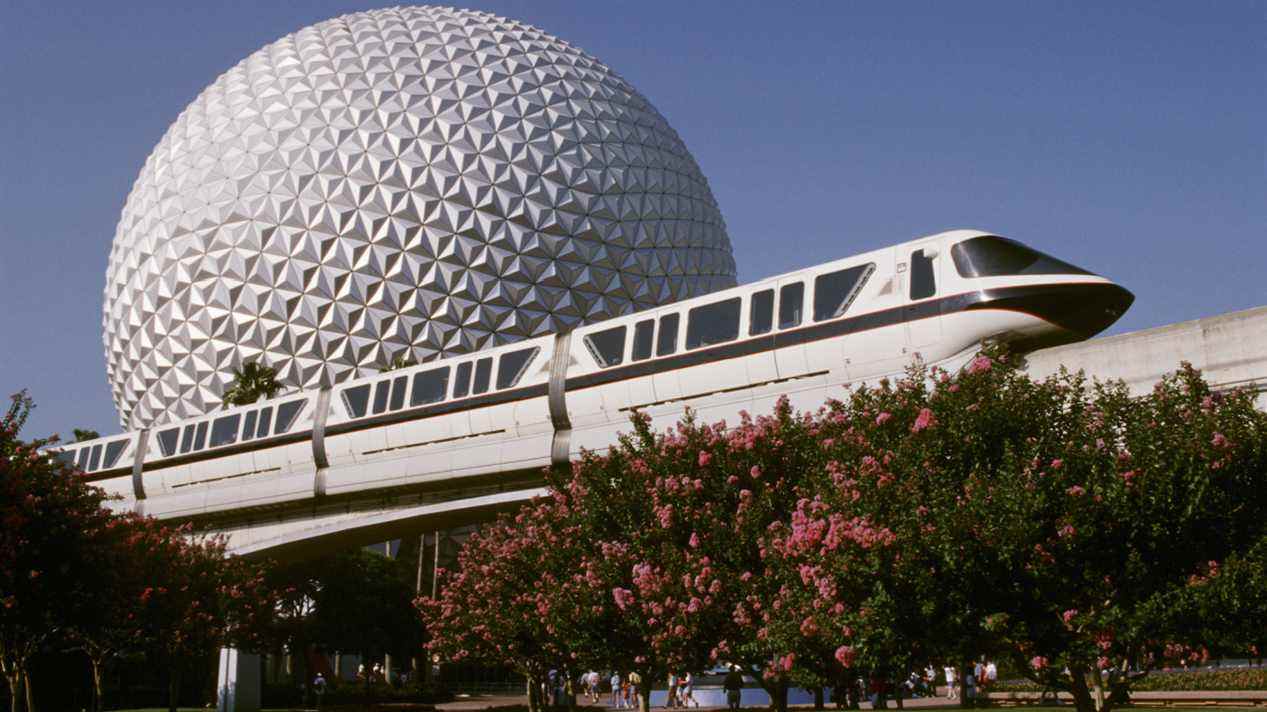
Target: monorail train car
523 406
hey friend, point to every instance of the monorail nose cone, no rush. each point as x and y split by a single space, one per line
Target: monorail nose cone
1084 309
1103 309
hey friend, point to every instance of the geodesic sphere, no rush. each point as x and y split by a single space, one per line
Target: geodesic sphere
416 182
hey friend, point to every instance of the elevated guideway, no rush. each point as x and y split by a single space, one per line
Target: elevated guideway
1229 349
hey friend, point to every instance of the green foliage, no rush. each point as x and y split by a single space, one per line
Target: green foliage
516 600
73 573
82 434
351 600
251 382
51 520
1057 523
399 361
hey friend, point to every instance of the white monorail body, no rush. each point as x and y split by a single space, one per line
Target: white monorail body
524 406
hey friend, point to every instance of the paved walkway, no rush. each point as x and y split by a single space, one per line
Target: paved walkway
1179 698
485 702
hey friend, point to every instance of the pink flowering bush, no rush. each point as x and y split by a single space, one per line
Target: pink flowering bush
514 599
1057 523
674 527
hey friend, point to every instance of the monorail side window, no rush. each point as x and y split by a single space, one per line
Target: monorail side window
430 387
399 385
200 436
167 441
286 413
923 281
187 439
248 425
666 340
483 374
714 323
607 346
462 380
761 312
266 419
82 462
224 431
357 399
380 396
66 457
643 333
511 365
95 461
835 291
113 451
791 299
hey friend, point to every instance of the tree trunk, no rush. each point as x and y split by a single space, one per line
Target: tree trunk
898 690
98 668
1078 688
534 693
15 689
644 693
818 699
173 686
30 690
778 693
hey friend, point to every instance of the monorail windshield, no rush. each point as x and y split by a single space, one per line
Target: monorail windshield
991 256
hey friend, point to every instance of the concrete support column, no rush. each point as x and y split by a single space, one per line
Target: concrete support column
238 682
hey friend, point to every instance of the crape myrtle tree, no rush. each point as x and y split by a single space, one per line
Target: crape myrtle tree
71 572
871 577
1224 609
1053 522
675 528
159 590
195 599
49 521
111 624
512 601
1098 521
1064 525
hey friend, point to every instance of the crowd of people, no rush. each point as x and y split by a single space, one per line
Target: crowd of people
878 688
621 691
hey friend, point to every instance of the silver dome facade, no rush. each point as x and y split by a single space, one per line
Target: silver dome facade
416 182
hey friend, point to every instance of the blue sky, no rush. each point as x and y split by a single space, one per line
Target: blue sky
1126 137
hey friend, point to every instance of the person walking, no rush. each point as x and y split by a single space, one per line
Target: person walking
592 681
952 690
635 684
733 684
319 687
671 699
685 693
615 683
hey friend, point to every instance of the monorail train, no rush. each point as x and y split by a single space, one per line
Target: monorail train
523 406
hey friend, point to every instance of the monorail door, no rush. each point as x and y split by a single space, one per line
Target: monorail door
923 287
